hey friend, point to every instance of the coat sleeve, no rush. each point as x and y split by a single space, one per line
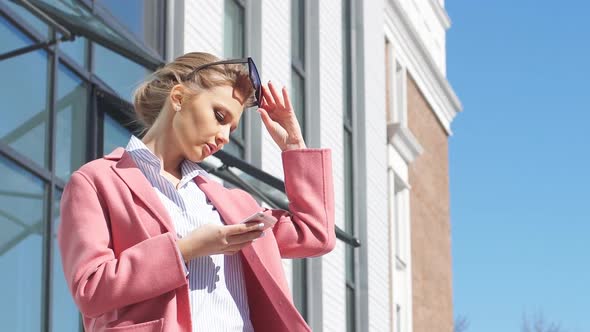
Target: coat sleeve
98 280
307 230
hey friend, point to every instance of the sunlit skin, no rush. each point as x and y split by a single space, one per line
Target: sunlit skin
207 120
202 126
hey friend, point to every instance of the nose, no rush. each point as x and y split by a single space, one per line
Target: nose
223 135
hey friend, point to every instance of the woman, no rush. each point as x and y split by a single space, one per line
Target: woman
148 239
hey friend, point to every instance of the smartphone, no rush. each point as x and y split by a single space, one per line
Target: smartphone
260 217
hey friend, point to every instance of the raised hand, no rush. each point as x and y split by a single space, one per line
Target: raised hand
279 118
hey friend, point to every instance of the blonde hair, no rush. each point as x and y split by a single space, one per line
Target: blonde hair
150 96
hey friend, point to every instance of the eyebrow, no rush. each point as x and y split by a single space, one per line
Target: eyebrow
227 111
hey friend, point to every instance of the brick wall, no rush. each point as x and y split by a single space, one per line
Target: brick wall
430 218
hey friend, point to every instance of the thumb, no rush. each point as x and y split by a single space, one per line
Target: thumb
243 228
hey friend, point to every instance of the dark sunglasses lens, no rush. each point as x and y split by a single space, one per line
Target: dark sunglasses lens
255 78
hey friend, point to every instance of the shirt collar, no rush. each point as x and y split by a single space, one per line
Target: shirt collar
142 154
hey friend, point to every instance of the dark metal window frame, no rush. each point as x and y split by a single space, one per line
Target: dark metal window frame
350 124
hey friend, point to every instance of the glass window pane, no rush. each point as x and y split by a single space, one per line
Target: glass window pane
120 73
65 316
233 39
300 287
12 38
71 123
21 239
140 17
298 98
234 149
298 30
348 180
233 47
24 123
346 61
233 146
115 135
76 49
29 18
350 310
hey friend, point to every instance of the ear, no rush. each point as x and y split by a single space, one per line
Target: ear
177 95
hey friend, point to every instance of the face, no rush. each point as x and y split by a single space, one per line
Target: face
205 121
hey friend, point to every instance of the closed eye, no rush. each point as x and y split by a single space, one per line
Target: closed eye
219 116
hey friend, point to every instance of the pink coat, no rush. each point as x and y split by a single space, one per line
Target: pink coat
120 259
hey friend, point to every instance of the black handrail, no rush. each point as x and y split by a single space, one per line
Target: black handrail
225 173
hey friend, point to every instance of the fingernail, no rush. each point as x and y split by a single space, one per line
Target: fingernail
261 225
269 82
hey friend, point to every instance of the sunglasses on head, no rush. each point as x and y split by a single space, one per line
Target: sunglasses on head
252 70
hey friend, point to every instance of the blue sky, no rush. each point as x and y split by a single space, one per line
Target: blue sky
519 164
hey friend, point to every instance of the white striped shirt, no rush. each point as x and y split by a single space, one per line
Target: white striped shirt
218 296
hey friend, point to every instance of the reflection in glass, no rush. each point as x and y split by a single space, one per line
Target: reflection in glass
21 238
31 19
298 31
139 17
234 149
233 47
233 30
115 135
24 93
76 50
298 98
65 316
71 123
120 73
12 38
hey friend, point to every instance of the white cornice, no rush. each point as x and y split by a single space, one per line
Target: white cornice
441 14
410 47
404 142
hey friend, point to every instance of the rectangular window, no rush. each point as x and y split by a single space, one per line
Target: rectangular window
298 42
395 87
234 41
352 308
298 100
388 94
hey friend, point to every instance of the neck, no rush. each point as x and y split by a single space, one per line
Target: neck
163 145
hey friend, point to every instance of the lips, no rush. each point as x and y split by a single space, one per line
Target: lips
211 149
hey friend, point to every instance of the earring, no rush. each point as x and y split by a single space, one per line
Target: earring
177 108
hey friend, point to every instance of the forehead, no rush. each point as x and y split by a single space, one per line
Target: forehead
229 98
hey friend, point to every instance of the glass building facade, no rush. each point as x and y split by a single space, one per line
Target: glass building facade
65 103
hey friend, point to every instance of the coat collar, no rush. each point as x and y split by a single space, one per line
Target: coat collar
128 171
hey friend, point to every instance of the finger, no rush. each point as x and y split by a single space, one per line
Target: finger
243 238
265 118
266 96
242 228
275 94
287 99
236 248
265 104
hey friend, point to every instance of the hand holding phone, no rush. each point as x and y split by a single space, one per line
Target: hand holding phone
260 217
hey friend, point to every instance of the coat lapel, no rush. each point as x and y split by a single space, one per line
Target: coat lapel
128 171
218 196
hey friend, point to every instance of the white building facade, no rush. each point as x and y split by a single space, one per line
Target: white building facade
346 63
